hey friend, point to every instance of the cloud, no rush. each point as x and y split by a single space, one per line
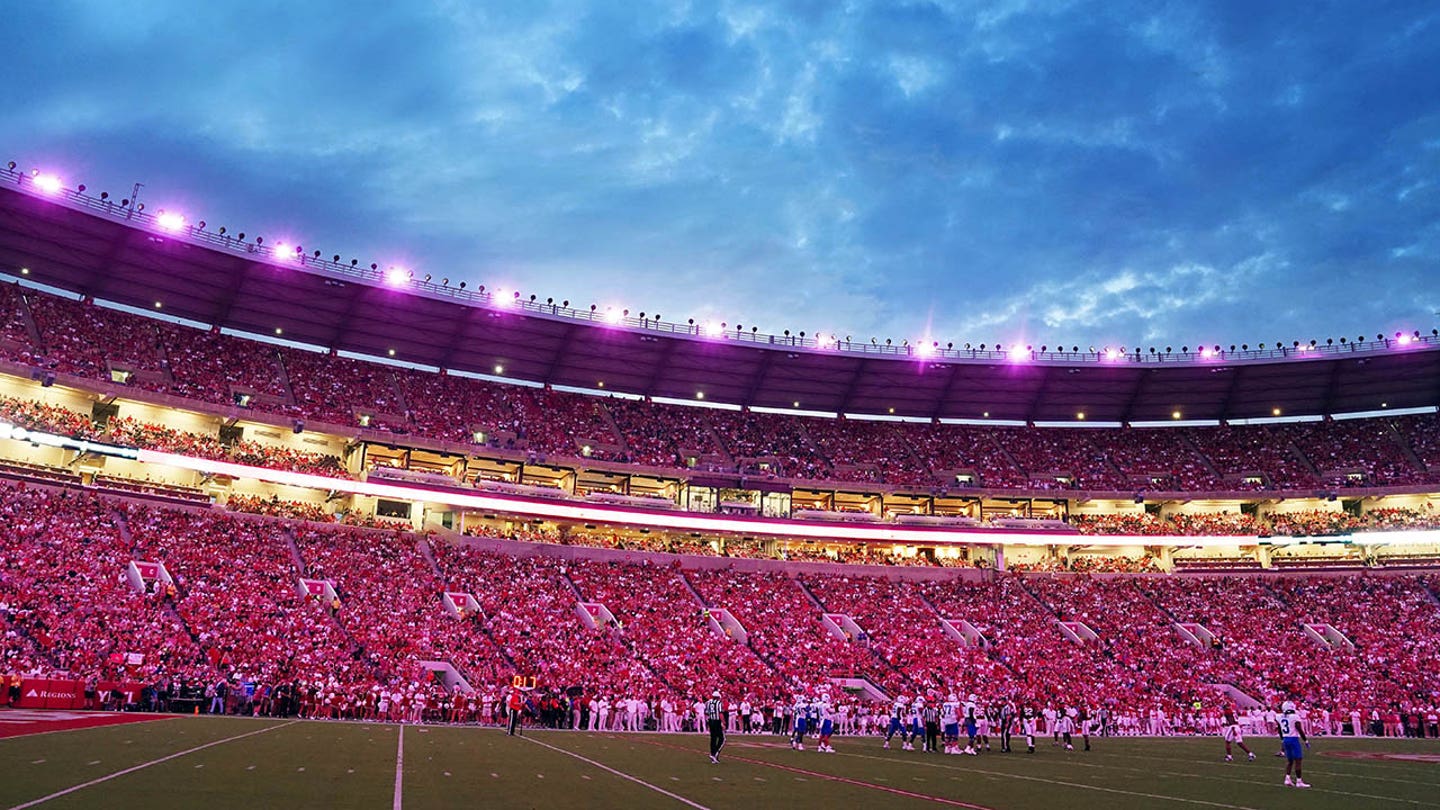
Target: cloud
1098 171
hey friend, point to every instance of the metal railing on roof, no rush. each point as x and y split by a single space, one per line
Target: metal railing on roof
507 301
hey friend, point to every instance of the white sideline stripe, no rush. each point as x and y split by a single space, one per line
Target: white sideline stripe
142 766
399 765
1062 782
621 774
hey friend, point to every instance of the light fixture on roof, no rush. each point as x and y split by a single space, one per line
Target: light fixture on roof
926 348
499 369
170 221
1174 414
1019 354
1274 411
397 276
1403 339
48 183
699 394
283 252
1080 416
714 329
612 316
1111 354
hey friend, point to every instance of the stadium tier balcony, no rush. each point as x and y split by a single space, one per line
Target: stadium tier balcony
108 346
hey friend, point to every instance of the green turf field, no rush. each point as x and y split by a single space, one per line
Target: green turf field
267 763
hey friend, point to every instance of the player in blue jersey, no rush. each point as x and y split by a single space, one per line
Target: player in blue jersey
1292 734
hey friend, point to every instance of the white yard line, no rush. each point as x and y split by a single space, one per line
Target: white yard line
621 774
399 765
142 766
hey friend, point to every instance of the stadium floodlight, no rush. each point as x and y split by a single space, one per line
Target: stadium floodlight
48 183
1111 354
1403 338
501 298
1019 354
612 316
170 221
397 276
283 252
925 348
714 329
1205 352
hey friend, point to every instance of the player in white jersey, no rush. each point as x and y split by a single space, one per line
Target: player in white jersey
897 724
802 714
827 725
950 724
972 724
1292 734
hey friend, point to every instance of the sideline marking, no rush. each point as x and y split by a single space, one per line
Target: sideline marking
621 774
142 766
399 765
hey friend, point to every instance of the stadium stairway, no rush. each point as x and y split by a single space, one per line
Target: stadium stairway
885 665
700 600
627 642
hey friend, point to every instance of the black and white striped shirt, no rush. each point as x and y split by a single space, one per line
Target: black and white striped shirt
712 709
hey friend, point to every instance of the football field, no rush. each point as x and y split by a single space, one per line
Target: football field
217 763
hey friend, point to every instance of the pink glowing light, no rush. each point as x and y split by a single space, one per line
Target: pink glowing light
1019 354
613 316
1404 339
925 348
1111 354
1205 352
714 329
826 341
284 252
397 276
48 183
170 221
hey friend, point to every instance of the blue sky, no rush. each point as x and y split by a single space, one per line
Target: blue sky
1048 171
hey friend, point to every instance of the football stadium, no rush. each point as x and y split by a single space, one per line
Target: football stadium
287 528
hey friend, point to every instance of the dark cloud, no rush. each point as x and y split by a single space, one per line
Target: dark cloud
1084 171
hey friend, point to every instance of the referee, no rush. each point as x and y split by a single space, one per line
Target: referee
715 721
931 716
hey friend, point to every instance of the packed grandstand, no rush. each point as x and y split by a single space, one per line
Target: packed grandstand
199 518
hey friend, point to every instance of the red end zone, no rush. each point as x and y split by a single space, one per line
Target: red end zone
20 722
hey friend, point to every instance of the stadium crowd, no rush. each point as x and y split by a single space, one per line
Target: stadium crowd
106 345
618 642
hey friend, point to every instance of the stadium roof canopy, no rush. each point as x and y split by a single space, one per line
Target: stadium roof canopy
101 249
